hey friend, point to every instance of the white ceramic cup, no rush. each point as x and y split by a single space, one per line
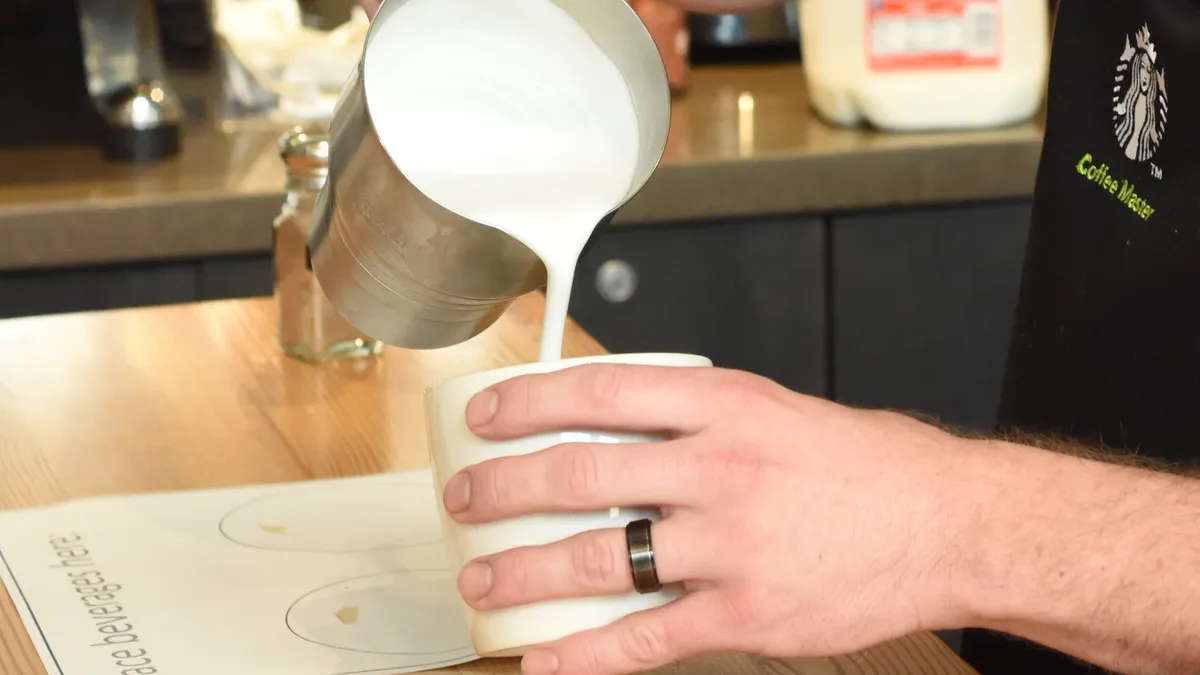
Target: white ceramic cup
453 447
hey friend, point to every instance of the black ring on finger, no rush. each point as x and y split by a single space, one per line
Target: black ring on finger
641 557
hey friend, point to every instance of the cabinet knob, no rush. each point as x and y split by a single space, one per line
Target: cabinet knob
616 281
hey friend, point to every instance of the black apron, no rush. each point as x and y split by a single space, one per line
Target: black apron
1106 344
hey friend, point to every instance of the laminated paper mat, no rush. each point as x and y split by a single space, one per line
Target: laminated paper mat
336 577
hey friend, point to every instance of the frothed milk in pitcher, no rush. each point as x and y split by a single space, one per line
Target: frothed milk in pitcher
506 112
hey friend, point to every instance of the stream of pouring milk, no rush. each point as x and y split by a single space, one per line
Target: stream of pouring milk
507 113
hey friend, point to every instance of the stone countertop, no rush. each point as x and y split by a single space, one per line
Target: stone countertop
743 143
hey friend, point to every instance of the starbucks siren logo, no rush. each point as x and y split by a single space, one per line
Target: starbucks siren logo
1140 98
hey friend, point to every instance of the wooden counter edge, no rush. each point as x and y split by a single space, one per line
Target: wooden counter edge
126 359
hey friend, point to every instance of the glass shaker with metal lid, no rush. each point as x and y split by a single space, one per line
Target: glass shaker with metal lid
310 329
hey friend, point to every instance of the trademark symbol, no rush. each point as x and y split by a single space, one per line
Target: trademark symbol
1155 171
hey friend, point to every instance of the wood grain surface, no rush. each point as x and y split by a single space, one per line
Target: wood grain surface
199 396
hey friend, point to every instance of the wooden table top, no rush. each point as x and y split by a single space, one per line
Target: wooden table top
199 396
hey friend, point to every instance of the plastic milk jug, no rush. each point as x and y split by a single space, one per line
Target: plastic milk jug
920 65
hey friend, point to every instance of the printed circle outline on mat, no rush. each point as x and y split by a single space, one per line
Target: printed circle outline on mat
350 517
400 613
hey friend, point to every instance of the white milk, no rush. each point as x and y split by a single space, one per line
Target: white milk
914 66
507 113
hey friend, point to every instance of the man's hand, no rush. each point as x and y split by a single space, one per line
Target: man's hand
708 6
801 527
804 528
370 7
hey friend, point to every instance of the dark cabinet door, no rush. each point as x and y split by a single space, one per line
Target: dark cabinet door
747 294
923 304
246 276
54 291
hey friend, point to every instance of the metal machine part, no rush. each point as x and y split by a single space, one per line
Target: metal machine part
616 281
769 34
143 120
127 80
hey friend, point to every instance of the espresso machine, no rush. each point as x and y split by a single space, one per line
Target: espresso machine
94 72
766 35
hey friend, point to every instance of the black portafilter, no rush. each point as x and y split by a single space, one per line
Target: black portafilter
142 123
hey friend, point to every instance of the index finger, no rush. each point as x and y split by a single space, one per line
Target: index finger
671 400
370 7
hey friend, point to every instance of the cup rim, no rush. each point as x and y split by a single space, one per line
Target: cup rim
667 359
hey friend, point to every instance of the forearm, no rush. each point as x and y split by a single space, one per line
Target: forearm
1090 558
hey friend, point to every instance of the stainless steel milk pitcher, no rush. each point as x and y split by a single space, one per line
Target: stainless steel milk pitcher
409 272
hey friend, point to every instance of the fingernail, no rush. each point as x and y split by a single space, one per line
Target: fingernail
475 581
539 662
482 407
457 495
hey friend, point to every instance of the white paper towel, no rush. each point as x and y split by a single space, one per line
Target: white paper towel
280 65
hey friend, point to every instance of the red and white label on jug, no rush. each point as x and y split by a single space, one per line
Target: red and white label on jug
932 34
